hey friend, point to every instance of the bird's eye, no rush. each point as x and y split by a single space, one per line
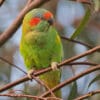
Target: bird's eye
50 21
34 21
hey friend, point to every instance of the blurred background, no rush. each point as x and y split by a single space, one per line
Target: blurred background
68 15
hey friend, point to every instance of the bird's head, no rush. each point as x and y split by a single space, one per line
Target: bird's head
38 18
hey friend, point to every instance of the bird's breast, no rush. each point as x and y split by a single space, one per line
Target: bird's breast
35 38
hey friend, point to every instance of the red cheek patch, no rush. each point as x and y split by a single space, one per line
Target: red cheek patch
34 21
47 15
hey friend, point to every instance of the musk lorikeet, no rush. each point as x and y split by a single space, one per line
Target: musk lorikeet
41 46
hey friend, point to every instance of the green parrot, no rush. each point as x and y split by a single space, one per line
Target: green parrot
41 46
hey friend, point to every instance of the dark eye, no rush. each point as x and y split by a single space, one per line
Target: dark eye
50 21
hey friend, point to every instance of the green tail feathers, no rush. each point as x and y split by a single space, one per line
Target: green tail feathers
51 79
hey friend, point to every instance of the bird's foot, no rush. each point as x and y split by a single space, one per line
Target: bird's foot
54 66
31 74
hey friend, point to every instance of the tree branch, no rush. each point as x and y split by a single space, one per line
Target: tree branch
89 70
30 96
79 42
22 96
1 2
80 55
73 63
5 60
85 96
83 1
37 73
43 84
82 63
17 22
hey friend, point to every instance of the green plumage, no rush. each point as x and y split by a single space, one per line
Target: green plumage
40 46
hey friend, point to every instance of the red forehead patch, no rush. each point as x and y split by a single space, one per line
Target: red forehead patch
34 21
47 15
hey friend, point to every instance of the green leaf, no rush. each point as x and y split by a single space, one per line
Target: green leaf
97 78
82 24
73 92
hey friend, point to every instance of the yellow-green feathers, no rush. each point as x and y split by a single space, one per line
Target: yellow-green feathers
40 44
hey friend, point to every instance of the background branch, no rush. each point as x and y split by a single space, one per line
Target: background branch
79 42
35 78
17 22
80 55
85 96
89 70
49 68
82 63
43 84
30 96
5 60
73 63
83 1
1 2
22 96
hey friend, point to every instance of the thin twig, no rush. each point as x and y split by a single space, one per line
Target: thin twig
14 91
43 84
1 2
29 1
35 78
80 55
76 41
89 70
37 73
73 63
5 60
29 96
83 1
53 98
85 96
17 22
82 63
22 96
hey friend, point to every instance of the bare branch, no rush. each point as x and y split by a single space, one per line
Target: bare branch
89 70
83 1
37 73
1 2
17 22
80 55
29 1
5 60
22 96
85 96
82 63
79 42
35 78
30 96
43 84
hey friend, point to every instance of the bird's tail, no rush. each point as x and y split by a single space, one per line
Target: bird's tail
51 79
